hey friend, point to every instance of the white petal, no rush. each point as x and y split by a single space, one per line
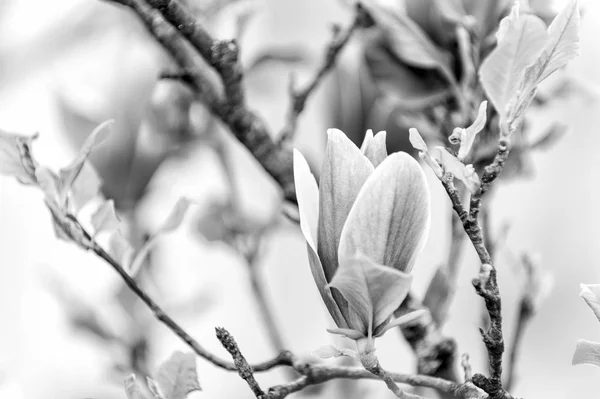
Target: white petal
390 218
307 193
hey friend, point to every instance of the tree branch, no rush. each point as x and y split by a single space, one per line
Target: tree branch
163 18
244 369
312 373
486 284
298 98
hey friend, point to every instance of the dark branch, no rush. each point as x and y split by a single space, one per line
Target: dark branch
171 23
244 369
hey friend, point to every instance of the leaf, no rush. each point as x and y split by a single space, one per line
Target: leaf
176 216
409 87
173 220
373 147
120 249
15 157
70 173
374 291
177 376
562 45
133 390
521 38
469 134
155 389
389 220
587 352
563 41
464 173
85 187
105 218
407 41
591 295
49 183
436 297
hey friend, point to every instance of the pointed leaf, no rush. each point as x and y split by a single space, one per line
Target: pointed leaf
344 171
374 291
70 173
120 249
465 173
521 39
105 218
563 41
85 187
175 217
49 183
15 157
133 390
591 295
390 218
177 376
587 352
561 46
374 148
307 193
470 132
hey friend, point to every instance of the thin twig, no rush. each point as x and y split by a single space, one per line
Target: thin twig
372 365
466 365
244 369
298 98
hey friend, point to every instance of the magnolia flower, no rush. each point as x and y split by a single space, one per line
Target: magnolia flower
364 225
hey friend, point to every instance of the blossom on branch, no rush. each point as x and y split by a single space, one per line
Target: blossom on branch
364 225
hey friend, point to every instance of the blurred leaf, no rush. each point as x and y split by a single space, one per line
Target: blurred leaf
133 388
15 156
177 376
49 183
105 218
120 249
520 41
436 297
410 88
70 173
172 221
86 186
155 389
176 216
587 352
407 41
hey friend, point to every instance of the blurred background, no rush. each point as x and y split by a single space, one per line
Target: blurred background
69 327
